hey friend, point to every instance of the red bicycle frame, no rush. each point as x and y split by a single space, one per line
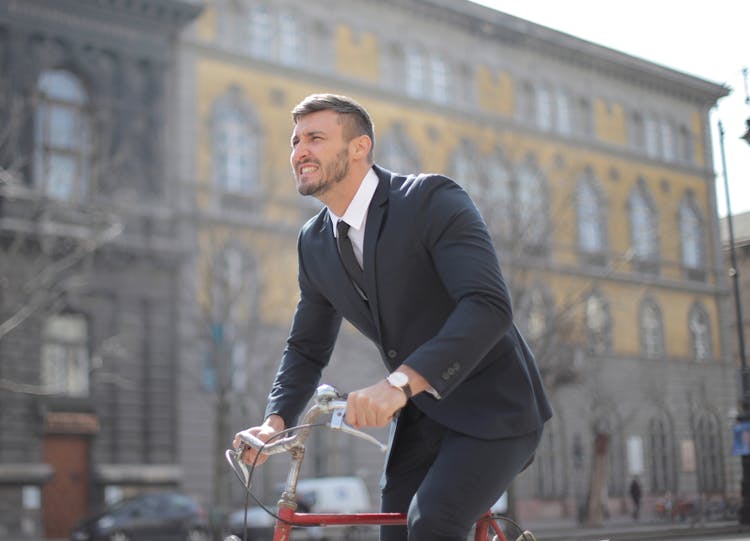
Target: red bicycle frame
329 401
288 519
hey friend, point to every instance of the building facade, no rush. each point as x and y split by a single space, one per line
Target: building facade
592 168
148 219
90 257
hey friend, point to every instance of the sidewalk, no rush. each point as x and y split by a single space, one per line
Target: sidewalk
626 529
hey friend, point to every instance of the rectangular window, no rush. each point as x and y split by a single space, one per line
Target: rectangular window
61 137
439 80
635 455
261 33
667 141
291 50
543 109
652 138
415 74
562 103
64 355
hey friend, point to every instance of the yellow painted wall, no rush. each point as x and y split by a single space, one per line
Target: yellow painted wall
262 89
495 92
206 23
357 55
609 122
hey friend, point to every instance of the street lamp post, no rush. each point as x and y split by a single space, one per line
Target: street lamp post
744 414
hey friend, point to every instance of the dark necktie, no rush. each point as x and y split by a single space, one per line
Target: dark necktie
346 251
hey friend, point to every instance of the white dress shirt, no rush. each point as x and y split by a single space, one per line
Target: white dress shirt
356 214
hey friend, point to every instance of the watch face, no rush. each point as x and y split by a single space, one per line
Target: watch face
399 379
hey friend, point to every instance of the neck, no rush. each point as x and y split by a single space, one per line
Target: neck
340 196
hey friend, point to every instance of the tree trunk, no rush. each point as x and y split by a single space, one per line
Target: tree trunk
595 503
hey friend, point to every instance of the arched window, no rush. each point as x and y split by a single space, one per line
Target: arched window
533 313
692 238
662 477
465 165
644 229
548 465
652 330
598 324
234 291
532 220
592 227
61 136
699 326
235 147
710 458
494 196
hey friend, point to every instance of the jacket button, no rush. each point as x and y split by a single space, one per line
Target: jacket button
392 353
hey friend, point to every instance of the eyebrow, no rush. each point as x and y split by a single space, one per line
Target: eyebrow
311 133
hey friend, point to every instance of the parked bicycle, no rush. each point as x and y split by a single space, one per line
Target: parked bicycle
328 401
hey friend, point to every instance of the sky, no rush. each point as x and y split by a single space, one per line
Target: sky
701 38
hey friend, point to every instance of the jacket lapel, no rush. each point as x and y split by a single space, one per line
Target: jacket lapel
376 214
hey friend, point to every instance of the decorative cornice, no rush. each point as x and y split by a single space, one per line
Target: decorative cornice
128 19
510 30
174 13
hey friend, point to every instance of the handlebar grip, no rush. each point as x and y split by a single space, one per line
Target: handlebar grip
254 441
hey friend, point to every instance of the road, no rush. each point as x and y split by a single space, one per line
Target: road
731 537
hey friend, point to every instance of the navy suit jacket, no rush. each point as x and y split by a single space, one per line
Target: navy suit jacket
437 302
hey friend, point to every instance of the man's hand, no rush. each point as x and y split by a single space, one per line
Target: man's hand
374 406
272 425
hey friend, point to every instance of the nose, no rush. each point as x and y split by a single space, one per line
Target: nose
299 151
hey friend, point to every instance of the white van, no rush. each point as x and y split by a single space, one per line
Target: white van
335 495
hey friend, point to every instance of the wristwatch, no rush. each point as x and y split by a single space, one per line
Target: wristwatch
399 380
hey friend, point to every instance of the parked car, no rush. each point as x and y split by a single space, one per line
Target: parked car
163 516
321 495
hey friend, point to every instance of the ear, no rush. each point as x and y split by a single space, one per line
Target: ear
359 147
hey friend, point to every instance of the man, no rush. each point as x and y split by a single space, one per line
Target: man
635 495
408 261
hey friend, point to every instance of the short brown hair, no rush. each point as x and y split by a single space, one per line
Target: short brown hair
355 118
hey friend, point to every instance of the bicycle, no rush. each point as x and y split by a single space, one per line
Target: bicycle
328 401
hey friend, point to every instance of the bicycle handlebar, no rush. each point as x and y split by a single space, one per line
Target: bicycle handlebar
327 400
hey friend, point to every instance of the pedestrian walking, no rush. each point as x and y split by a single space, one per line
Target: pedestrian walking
635 495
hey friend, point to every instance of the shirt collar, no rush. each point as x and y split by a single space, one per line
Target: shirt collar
356 212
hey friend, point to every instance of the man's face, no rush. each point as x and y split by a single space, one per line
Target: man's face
320 154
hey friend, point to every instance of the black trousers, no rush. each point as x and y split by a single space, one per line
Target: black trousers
445 480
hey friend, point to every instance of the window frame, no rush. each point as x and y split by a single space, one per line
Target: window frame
48 143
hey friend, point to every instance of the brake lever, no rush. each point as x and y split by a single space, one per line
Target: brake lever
338 423
234 457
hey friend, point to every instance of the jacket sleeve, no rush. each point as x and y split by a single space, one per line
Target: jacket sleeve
308 349
455 235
